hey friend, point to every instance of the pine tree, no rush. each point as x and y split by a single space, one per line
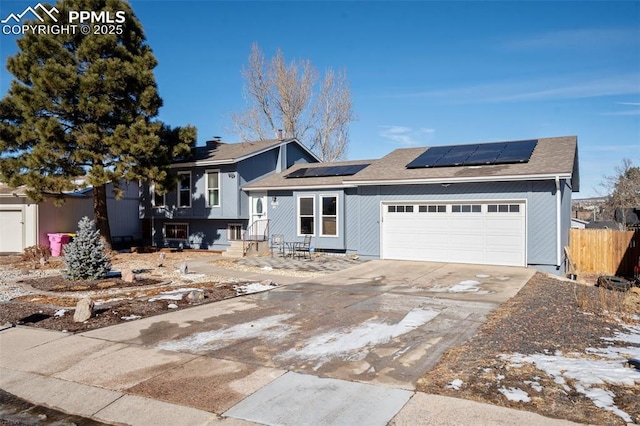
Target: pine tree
81 112
85 256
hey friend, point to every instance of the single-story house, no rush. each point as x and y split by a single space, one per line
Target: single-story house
208 209
578 223
24 223
498 203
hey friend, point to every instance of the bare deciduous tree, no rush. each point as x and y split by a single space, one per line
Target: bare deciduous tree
624 191
281 95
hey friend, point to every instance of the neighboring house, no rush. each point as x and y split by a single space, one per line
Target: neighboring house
501 203
604 224
631 217
208 209
578 223
24 223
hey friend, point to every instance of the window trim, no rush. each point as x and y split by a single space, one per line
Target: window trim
229 232
153 198
510 207
164 231
322 215
466 208
298 216
180 190
206 187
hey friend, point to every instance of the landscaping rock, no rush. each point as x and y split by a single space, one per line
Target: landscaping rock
128 275
84 310
195 296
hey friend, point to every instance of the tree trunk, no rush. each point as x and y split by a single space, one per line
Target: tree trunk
101 214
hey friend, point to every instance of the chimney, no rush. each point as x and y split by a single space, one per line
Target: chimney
214 142
280 137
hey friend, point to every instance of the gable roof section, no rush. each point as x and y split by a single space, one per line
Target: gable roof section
551 157
281 181
230 153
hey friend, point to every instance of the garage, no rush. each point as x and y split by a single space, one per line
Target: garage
490 233
11 230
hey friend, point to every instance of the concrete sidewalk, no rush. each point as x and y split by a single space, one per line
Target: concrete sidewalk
45 368
120 375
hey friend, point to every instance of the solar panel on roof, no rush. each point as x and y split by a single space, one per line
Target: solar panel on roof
429 158
347 170
456 155
485 154
517 152
475 154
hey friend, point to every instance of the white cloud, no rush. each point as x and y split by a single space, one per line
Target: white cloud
406 136
540 89
634 111
576 39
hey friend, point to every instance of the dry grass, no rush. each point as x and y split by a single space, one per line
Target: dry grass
547 316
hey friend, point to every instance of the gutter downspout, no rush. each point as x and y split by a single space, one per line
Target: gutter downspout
558 227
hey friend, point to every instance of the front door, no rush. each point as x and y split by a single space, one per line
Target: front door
258 221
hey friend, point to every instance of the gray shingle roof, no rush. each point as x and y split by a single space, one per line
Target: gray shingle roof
552 156
221 152
279 180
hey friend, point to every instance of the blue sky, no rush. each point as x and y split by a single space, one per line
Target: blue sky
421 72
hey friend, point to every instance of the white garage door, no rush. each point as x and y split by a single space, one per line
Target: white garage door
11 231
491 233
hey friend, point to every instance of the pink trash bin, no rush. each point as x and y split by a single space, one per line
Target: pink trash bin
56 241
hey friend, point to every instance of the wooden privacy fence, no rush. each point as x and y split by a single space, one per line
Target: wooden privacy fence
604 251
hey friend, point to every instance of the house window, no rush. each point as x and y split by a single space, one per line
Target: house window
431 208
329 216
400 209
184 189
503 208
176 231
158 199
234 232
213 189
306 216
466 208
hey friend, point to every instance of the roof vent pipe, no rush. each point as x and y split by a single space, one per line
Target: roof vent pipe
280 137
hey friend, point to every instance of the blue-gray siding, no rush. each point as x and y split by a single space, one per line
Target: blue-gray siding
360 212
234 203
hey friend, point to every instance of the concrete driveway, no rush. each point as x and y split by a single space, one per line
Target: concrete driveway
375 327
383 322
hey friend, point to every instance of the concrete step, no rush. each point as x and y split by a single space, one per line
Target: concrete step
235 250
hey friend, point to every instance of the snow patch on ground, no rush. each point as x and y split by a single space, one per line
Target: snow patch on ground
351 345
515 394
590 376
455 384
534 385
60 313
252 288
131 317
173 294
115 299
267 328
466 286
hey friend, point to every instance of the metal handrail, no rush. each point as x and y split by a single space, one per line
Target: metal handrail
257 231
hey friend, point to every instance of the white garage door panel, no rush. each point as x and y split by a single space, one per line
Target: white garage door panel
11 233
493 238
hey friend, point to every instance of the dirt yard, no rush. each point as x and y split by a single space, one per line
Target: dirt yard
156 290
